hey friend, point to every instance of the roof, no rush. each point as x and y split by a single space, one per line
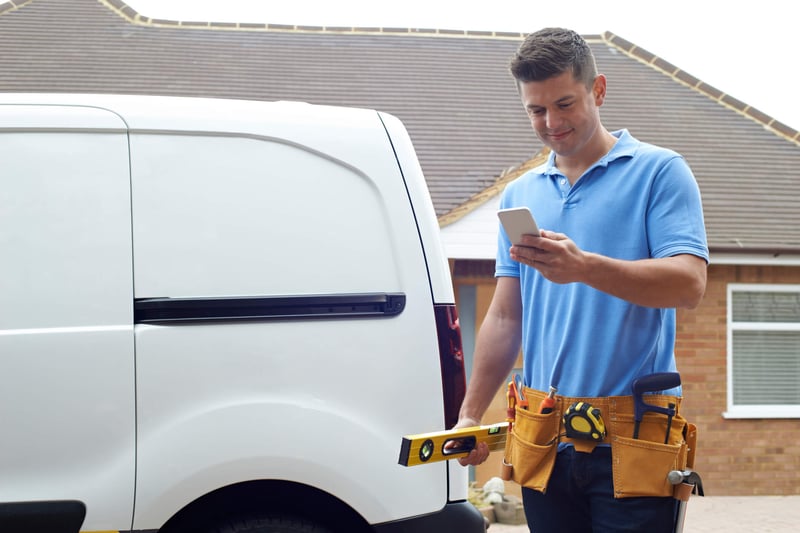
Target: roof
451 89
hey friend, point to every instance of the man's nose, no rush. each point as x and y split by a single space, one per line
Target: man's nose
552 120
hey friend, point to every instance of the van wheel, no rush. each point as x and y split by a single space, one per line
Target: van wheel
270 524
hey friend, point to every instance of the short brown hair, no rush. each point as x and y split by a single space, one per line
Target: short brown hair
550 52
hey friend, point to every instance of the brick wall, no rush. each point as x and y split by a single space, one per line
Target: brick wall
735 457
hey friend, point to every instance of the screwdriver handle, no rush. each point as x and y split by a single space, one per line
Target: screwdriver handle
511 409
548 402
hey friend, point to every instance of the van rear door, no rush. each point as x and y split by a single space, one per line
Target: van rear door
66 321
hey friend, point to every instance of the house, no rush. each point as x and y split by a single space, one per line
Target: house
738 352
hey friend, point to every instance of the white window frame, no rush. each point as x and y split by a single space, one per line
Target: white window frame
756 411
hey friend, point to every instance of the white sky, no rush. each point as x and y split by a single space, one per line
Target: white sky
748 49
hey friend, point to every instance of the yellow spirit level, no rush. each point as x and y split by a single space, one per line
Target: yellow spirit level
430 447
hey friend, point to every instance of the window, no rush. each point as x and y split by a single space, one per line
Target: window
763 351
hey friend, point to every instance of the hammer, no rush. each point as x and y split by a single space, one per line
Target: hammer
686 482
651 383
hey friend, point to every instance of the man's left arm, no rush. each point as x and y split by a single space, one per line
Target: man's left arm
675 273
677 281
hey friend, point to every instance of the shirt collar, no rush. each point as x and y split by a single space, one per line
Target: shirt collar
624 147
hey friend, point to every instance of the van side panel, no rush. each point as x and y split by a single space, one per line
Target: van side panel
279 211
219 215
66 331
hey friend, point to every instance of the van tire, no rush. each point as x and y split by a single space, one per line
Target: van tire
270 524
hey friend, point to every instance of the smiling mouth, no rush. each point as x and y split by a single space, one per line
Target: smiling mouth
559 135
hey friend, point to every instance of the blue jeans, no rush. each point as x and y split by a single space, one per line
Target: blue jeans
580 499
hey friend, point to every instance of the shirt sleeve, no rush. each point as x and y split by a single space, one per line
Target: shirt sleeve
675 223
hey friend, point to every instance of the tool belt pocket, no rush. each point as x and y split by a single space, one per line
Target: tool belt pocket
641 466
533 446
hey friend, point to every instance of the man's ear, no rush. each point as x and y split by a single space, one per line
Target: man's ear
599 89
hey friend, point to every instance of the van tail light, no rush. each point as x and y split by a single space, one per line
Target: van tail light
451 358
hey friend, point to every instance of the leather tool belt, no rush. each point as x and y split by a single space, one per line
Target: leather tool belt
640 465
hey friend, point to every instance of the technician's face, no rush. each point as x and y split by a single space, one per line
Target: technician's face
564 113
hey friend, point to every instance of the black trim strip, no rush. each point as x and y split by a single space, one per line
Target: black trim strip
159 310
55 516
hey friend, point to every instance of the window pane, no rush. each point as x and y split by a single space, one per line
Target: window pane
766 306
766 368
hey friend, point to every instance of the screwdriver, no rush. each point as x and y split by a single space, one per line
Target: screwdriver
511 410
548 402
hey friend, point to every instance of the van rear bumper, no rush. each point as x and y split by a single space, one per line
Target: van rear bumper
456 516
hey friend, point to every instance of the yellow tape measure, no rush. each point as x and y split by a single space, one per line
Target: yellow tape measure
430 447
582 421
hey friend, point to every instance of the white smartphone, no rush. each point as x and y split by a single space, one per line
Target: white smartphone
518 221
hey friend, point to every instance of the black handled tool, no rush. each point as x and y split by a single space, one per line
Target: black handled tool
651 383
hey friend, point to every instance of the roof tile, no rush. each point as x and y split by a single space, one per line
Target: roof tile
451 88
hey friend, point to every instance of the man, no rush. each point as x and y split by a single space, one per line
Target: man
591 299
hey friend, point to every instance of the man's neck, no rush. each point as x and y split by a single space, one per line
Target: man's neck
573 167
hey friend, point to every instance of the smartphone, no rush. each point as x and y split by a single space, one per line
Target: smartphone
518 221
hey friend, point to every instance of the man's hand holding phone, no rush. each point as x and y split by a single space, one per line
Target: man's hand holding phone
554 255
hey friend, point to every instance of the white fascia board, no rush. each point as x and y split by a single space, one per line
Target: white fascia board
755 259
473 236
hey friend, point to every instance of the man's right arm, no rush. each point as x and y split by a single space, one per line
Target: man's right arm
496 351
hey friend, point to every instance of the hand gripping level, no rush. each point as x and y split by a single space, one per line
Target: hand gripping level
450 444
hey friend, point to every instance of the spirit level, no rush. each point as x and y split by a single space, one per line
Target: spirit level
430 447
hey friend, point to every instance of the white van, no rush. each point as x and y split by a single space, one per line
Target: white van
220 315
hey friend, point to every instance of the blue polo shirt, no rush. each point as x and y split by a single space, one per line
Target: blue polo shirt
639 201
